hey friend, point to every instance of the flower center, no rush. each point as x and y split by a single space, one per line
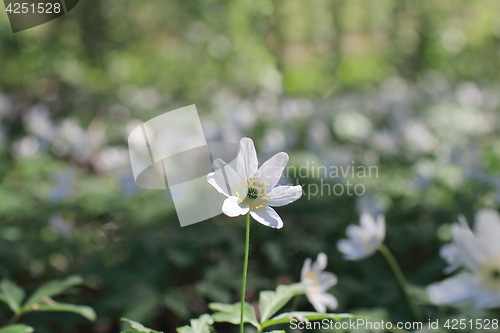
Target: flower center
256 195
490 275
252 193
312 283
312 279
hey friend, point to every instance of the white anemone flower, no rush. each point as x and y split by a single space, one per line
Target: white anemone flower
365 239
317 283
479 254
253 189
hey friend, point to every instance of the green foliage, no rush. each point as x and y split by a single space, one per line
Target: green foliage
271 302
231 313
200 325
52 288
49 305
11 294
136 327
41 300
16 328
285 318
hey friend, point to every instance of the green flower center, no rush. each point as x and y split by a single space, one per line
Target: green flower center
252 193
490 274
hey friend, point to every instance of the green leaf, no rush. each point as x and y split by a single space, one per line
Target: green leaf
175 301
18 328
231 313
144 304
51 305
272 301
285 318
200 325
137 328
52 288
11 294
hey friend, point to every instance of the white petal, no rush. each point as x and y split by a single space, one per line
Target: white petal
448 252
356 234
346 247
367 223
351 250
320 263
470 252
316 302
487 230
453 291
268 217
227 181
451 267
327 280
246 161
232 208
283 195
270 171
306 268
329 300
486 221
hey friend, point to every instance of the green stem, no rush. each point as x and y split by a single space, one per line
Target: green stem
245 269
401 279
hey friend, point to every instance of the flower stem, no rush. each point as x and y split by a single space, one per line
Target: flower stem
245 269
389 257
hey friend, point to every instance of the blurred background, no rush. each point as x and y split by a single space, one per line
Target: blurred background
408 86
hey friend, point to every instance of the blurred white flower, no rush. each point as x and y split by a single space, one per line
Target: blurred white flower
61 225
26 147
419 137
249 188
318 282
111 158
352 125
273 140
365 239
37 121
479 253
